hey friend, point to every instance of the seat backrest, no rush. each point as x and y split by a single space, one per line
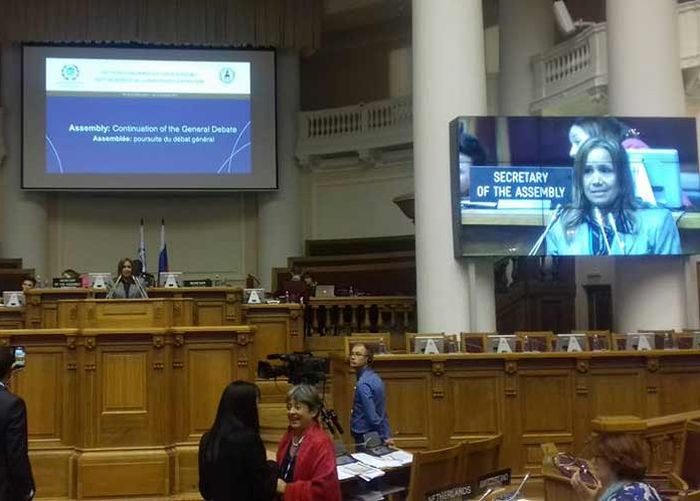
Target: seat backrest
411 336
539 340
482 456
474 342
372 341
433 470
690 455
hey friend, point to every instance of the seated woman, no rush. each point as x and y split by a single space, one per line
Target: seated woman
604 216
618 460
232 458
306 455
127 286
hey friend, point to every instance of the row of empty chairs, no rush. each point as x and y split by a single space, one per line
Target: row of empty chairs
524 341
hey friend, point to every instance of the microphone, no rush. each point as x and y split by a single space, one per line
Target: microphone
599 219
613 225
114 287
558 210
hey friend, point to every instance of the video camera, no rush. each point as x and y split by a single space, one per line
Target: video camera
299 367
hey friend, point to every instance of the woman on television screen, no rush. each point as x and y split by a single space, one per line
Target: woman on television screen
605 217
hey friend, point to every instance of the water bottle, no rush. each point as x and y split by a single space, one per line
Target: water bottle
595 343
286 296
382 347
217 280
351 291
526 344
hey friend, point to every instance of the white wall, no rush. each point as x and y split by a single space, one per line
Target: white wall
206 235
356 202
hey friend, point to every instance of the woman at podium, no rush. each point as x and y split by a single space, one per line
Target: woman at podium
127 286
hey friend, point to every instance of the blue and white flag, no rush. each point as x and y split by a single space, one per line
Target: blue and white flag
142 248
163 258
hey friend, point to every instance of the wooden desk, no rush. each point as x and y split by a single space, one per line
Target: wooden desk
11 318
211 305
42 306
531 398
279 327
118 412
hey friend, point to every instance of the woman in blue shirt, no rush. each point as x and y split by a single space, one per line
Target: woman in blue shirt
605 217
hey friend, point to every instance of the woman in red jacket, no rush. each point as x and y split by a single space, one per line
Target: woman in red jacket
306 456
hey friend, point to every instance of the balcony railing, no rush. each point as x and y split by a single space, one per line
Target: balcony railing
345 315
577 66
359 128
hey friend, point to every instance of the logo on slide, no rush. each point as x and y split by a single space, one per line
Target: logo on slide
226 75
70 72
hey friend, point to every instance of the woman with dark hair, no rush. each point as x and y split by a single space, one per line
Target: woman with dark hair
232 458
127 285
605 217
618 461
306 455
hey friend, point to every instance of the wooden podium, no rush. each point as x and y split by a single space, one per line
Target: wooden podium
119 394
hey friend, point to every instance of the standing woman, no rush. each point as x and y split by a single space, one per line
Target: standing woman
232 458
306 455
127 285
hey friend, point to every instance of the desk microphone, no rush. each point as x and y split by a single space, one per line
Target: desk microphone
558 210
613 225
599 219
110 294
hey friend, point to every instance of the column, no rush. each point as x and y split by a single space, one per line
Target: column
649 293
448 80
24 214
525 30
279 213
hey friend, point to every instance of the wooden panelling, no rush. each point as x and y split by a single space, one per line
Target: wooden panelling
280 328
206 368
471 392
530 398
110 410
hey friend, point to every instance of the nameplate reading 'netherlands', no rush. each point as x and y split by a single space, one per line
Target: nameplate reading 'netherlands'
493 184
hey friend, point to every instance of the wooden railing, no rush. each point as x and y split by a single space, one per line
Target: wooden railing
339 316
663 434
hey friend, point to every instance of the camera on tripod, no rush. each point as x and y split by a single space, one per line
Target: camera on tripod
299 367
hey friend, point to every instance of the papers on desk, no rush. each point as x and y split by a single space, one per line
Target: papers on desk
367 467
358 469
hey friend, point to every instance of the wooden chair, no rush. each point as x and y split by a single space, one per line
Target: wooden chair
432 470
539 340
474 342
659 335
372 341
603 337
619 341
411 336
480 457
689 466
684 340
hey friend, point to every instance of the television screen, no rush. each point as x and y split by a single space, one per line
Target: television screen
109 118
567 186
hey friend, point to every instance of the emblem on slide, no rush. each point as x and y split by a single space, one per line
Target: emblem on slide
70 72
226 75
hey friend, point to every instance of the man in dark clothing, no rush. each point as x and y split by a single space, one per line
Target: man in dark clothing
16 481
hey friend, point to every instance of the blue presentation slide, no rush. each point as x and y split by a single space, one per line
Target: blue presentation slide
118 135
131 117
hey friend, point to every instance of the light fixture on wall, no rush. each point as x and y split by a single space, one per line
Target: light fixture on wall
566 24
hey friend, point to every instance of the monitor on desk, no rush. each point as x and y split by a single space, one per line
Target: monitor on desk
324 291
13 299
570 342
501 343
100 280
640 341
428 344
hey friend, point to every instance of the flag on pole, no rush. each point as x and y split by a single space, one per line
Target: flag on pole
142 248
163 258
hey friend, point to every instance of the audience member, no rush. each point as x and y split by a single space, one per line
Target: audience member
369 404
28 284
618 461
232 458
306 455
16 480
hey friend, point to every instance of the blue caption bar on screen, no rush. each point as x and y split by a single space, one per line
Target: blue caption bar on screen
494 184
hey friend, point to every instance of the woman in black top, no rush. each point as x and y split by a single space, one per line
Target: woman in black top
232 458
